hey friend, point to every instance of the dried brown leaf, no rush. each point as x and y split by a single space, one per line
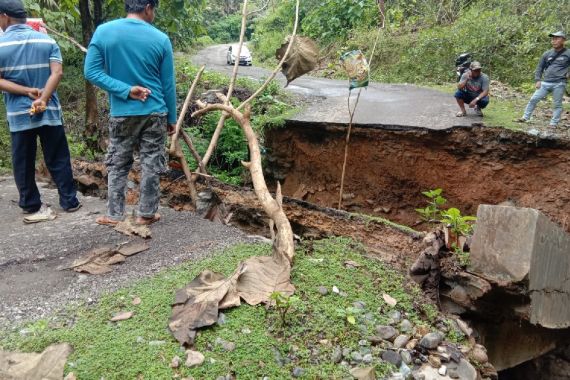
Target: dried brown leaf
122 316
137 301
133 248
48 365
262 276
130 228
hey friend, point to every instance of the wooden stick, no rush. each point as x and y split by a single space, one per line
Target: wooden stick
81 47
193 150
184 110
274 73
224 116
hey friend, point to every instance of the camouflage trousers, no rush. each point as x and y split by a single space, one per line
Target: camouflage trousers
148 134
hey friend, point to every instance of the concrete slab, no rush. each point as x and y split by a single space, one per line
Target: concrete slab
522 246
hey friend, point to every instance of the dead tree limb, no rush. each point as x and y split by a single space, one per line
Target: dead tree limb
283 246
278 68
223 117
77 44
184 110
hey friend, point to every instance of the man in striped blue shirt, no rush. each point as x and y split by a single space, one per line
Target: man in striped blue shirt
30 71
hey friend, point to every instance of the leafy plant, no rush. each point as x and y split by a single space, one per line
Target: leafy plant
349 314
283 304
432 213
458 224
463 257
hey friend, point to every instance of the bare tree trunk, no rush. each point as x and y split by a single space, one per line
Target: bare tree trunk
97 12
91 132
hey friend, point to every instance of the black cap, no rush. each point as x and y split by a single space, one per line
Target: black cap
13 8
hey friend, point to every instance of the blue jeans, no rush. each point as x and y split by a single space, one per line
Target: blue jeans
467 98
57 159
557 90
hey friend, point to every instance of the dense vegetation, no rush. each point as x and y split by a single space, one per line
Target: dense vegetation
422 37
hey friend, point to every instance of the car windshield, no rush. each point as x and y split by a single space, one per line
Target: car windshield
244 49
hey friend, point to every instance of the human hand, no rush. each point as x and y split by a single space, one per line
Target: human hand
473 103
38 106
170 129
139 93
537 85
34 93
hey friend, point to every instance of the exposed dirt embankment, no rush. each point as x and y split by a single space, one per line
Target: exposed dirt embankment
388 169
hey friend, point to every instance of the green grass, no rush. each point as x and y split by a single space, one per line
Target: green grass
122 350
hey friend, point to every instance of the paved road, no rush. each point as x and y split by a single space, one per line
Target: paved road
31 284
397 106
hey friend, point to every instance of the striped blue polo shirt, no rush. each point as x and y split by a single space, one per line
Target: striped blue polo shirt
25 57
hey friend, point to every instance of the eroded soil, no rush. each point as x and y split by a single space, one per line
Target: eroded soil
388 169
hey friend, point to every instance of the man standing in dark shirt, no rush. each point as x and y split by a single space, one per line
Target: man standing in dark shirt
550 76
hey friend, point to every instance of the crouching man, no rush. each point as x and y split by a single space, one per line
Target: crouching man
473 89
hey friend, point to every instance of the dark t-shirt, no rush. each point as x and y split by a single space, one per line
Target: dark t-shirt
475 86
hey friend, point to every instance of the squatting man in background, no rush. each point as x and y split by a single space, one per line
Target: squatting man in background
133 62
473 89
550 76
30 70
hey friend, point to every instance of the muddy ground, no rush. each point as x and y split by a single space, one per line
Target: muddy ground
388 169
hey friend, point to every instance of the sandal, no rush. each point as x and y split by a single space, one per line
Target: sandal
147 220
106 221
461 114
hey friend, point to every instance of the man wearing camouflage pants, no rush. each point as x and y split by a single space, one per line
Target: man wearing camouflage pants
133 62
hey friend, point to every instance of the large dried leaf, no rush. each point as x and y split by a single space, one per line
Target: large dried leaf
130 228
48 365
198 303
303 57
98 261
262 276
122 316
133 248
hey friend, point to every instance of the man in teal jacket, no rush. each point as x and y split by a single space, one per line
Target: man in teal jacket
133 62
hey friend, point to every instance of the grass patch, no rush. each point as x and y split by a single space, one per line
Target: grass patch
143 348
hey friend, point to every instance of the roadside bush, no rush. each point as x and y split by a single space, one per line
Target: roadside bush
227 29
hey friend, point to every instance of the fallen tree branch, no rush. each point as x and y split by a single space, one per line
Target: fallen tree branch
184 110
77 44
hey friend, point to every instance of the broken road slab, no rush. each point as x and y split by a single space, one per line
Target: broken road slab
514 245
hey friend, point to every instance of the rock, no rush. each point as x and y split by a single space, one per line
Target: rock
140 339
401 341
194 358
431 341
479 354
464 327
175 363
386 332
466 371
392 357
246 331
346 352
363 373
324 342
442 370
335 290
229 346
336 356
405 371
418 376
434 361
375 339
298 372
221 319
453 374
359 305
406 356
412 344
70 376
363 342
367 359
323 291
356 357
365 351
406 326
396 316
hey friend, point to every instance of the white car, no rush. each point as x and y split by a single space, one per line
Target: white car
244 57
